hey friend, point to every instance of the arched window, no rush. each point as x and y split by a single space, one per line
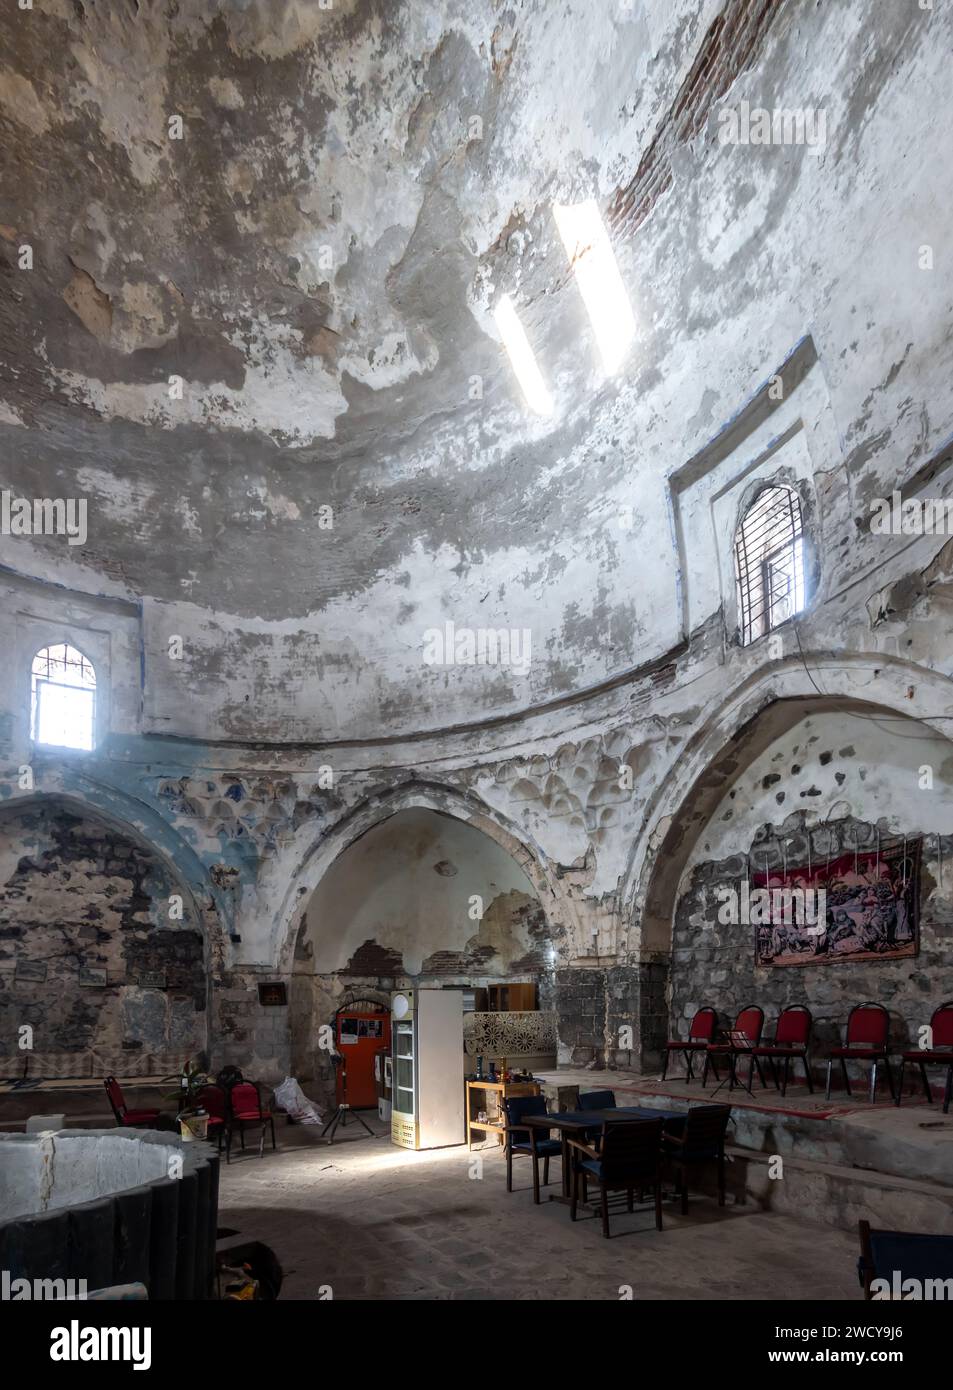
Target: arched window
64 698
769 563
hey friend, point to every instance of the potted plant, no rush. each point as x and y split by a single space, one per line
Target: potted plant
192 1117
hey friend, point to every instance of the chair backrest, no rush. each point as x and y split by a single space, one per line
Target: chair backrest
214 1101
794 1025
114 1092
920 1255
702 1026
942 1025
704 1132
515 1107
630 1149
868 1024
244 1098
597 1100
750 1021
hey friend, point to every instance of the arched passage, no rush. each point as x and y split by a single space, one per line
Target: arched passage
422 897
734 731
803 779
293 874
105 943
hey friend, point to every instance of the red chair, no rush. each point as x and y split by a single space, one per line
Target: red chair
215 1104
750 1022
868 1028
244 1101
792 1037
941 1025
701 1030
133 1119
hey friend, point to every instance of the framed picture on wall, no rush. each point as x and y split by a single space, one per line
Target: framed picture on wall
273 994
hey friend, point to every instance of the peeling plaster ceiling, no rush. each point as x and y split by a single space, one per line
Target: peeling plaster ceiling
316 258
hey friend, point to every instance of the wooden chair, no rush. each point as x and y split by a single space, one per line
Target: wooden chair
597 1100
749 1022
868 1028
628 1157
792 1037
939 1054
132 1119
701 1031
535 1146
245 1108
702 1140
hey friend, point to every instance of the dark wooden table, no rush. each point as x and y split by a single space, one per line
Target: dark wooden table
575 1124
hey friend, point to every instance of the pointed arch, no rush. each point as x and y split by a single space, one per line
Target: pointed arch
313 856
773 700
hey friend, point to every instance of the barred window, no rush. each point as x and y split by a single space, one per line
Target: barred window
769 563
63 698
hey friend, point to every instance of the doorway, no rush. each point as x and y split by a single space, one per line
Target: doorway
361 1031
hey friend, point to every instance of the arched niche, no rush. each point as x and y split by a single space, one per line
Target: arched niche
803 778
104 943
422 897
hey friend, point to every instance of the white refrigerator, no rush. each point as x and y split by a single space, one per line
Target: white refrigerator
428 1095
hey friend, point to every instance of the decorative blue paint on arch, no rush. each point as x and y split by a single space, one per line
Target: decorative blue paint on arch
131 816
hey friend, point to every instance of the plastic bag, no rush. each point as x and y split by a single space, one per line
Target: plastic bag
290 1097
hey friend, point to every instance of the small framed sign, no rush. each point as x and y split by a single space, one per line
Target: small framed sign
30 971
152 979
91 977
271 994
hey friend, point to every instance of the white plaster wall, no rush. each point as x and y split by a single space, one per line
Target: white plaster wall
750 249
873 770
386 888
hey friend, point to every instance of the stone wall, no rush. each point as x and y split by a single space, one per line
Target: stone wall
714 963
93 954
835 782
613 1016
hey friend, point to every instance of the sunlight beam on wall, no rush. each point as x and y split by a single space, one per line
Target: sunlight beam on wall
522 357
593 261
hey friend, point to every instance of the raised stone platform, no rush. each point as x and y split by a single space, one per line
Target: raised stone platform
83 1103
841 1160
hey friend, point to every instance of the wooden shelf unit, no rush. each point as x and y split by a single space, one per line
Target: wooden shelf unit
502 1090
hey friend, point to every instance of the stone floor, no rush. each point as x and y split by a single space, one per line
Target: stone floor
371 1221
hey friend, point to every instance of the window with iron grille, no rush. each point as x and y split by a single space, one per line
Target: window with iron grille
63 698
769 563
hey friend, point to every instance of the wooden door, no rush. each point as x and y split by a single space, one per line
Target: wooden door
360 1033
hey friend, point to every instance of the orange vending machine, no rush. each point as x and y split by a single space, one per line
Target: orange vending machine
361 1030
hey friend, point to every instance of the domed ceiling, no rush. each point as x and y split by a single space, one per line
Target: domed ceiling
267 240
257 258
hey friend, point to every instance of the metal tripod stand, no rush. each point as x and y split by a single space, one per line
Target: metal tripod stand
343 1114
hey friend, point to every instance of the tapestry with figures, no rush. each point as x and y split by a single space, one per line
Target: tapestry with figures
852 908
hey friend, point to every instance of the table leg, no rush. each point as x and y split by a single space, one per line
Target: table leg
565 1195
